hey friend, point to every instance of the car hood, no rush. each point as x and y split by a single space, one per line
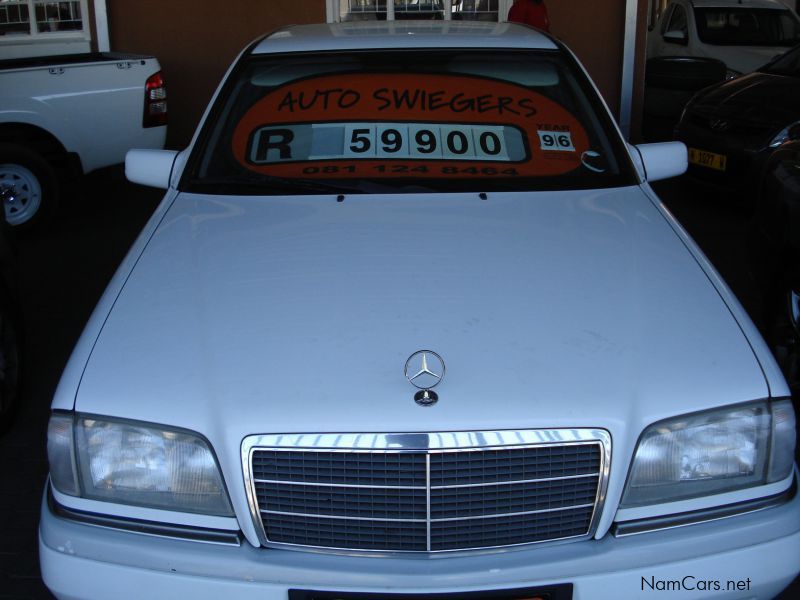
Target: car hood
756 98
249 315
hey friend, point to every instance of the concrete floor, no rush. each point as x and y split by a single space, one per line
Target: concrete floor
66 265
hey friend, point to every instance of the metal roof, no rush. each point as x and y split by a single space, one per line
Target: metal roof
359 35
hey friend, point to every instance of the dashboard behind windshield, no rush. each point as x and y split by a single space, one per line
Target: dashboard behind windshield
403 121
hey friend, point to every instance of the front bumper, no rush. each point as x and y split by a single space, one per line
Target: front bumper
759 553
745 157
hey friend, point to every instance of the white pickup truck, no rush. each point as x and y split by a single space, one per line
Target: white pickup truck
67 115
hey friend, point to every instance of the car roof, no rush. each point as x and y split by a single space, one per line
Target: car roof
360 35
774 4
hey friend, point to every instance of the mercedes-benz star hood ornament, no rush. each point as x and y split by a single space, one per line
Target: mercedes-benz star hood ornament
425 370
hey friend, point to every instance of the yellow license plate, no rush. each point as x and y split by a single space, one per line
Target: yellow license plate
708 159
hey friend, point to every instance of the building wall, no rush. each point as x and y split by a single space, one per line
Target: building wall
594 31
195 43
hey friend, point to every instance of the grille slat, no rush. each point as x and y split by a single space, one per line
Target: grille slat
385 468
334 533
513 465
352 502
463 502
503 531
403 500
514 482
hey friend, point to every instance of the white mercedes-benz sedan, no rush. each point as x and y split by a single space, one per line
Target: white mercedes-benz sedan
410 323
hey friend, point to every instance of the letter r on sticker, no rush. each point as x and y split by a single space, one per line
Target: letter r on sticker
271 145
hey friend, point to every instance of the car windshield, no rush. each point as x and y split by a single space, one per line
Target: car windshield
787 64
744 26
402 121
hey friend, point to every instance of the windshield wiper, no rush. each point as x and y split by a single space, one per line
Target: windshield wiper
268 186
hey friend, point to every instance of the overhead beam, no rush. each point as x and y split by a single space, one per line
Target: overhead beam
628 67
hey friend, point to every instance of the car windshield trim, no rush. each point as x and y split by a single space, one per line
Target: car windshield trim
266 186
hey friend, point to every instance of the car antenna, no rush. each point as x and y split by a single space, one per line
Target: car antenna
340 198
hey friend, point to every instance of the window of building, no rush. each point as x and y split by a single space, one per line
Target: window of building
476 10
44 27
33 18
396 10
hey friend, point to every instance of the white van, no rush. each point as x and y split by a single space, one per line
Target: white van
744 34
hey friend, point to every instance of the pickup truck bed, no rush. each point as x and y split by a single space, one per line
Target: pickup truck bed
63 115
69 59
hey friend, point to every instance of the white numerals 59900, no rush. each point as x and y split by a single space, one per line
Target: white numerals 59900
400 140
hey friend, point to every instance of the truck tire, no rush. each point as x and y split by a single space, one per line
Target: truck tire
28 186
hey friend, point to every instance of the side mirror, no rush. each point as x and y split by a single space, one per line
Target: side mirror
663 160
676 37
150 167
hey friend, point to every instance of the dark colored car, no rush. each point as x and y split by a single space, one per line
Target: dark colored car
670 82
775 249
10 323
733 127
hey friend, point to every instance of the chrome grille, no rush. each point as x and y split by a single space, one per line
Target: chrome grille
426 492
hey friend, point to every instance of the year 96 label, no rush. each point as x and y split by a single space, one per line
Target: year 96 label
558 141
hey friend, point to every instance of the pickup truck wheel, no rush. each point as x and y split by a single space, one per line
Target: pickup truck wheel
9 368
27 185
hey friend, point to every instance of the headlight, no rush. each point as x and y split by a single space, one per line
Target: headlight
134 463
711 453
792 132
